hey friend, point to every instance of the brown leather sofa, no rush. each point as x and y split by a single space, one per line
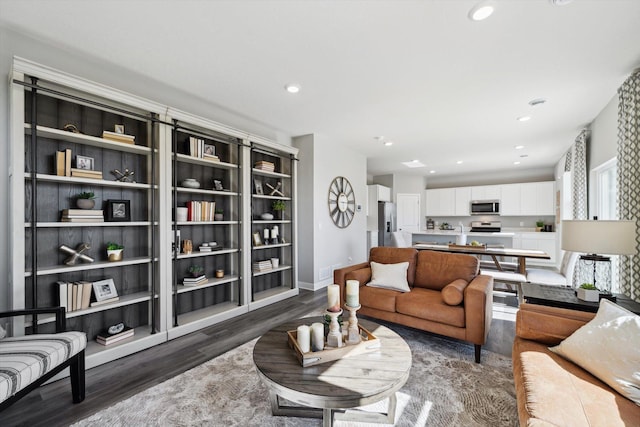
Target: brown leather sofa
423 307
553 391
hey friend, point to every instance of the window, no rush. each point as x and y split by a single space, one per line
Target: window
604 190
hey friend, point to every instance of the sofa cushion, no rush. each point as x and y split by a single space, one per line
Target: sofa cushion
608 347
389 276
453 293
378 298
552 391
428 304
27 358
388 255
435 270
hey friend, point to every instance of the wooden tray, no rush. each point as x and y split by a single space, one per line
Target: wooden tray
468 247
369 343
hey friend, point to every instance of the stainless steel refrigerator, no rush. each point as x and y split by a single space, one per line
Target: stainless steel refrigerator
386 223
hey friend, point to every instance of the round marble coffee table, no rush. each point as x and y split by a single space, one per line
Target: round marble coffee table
325 389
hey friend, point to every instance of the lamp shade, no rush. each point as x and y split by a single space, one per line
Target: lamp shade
599 237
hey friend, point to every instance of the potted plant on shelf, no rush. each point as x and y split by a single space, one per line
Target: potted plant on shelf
588 292
114 251
86 200
196 270
539 225
219 215
279 206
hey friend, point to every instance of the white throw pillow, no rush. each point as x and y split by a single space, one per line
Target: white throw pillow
390 276
609 348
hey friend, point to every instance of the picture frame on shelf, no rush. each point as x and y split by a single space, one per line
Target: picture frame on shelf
118 210
258 186
209 149
257 240
104 290
84 162
217 185
118 129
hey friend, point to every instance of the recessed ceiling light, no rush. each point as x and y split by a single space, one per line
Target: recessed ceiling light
292 88
516 163
432 171
519 147
560 2
523 118
537 101
388 143
524 155
413 164
481 11
459 162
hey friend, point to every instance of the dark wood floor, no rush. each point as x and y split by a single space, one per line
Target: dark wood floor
115 381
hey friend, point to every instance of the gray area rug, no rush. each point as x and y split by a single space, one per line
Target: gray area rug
445 388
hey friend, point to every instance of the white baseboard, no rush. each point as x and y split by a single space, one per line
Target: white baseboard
314 286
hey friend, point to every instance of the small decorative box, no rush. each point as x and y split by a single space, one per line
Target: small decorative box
369 342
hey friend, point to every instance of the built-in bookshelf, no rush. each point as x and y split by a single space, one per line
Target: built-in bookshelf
144 163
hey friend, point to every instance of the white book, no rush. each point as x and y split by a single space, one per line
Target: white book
64 298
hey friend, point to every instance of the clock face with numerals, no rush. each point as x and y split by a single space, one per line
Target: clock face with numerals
342 202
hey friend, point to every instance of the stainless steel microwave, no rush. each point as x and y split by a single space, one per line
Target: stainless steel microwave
485 207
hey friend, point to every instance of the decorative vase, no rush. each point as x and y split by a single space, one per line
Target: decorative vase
218 217
115 254
85 203
191 183
591 295
266 216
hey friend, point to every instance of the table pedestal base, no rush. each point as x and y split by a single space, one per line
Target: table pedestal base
328 415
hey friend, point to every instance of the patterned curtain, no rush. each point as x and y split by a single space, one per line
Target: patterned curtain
579 179
629 177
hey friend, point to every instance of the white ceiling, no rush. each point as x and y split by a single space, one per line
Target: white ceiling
420 73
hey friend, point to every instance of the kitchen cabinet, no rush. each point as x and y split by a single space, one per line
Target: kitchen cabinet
462 201
546 242
510 200
441 202
485 192
376 193
527 199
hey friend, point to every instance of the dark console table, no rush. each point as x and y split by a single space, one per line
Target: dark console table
555 296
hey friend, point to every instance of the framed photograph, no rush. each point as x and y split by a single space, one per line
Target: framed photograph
217 185
257 240
84 162
118 129
209 149
104 289
258 184
118 210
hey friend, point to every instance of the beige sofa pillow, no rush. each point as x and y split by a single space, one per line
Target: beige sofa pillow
608 347
389 276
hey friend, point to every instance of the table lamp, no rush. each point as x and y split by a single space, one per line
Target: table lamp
594 238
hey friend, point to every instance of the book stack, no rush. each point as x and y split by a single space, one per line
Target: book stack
75 295
63 162
86 173
265 166
118 137
201 149
194 281
82 215
107 338
262 266
200 210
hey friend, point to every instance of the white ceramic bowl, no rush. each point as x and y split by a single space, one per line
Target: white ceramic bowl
190 183
266 216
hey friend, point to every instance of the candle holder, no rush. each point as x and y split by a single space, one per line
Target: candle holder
354 332
334 338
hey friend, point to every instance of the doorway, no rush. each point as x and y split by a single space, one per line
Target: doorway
408 212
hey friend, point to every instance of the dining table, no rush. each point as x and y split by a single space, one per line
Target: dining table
494 253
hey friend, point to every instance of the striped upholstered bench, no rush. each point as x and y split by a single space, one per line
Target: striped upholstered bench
26 362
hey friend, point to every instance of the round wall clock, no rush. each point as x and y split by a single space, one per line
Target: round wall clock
342 202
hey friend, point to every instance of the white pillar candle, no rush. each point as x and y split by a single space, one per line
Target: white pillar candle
333 298
274 232
353 293
266 234
304 338
317 336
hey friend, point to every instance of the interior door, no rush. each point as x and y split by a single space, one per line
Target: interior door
408 212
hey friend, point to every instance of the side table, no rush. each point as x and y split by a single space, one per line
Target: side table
555 296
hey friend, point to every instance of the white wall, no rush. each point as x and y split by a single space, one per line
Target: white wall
168 93
328 247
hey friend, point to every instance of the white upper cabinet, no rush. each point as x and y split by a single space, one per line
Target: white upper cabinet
485 192
441 202
510 200
376 193
536 198
462 201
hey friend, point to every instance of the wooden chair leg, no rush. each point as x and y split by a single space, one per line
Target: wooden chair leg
477 348
77 378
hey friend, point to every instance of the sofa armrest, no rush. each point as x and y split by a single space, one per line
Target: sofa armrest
478 308
340 277
61 321
548 325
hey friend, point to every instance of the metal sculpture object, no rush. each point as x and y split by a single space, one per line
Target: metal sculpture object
77 253
275 190
123 176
